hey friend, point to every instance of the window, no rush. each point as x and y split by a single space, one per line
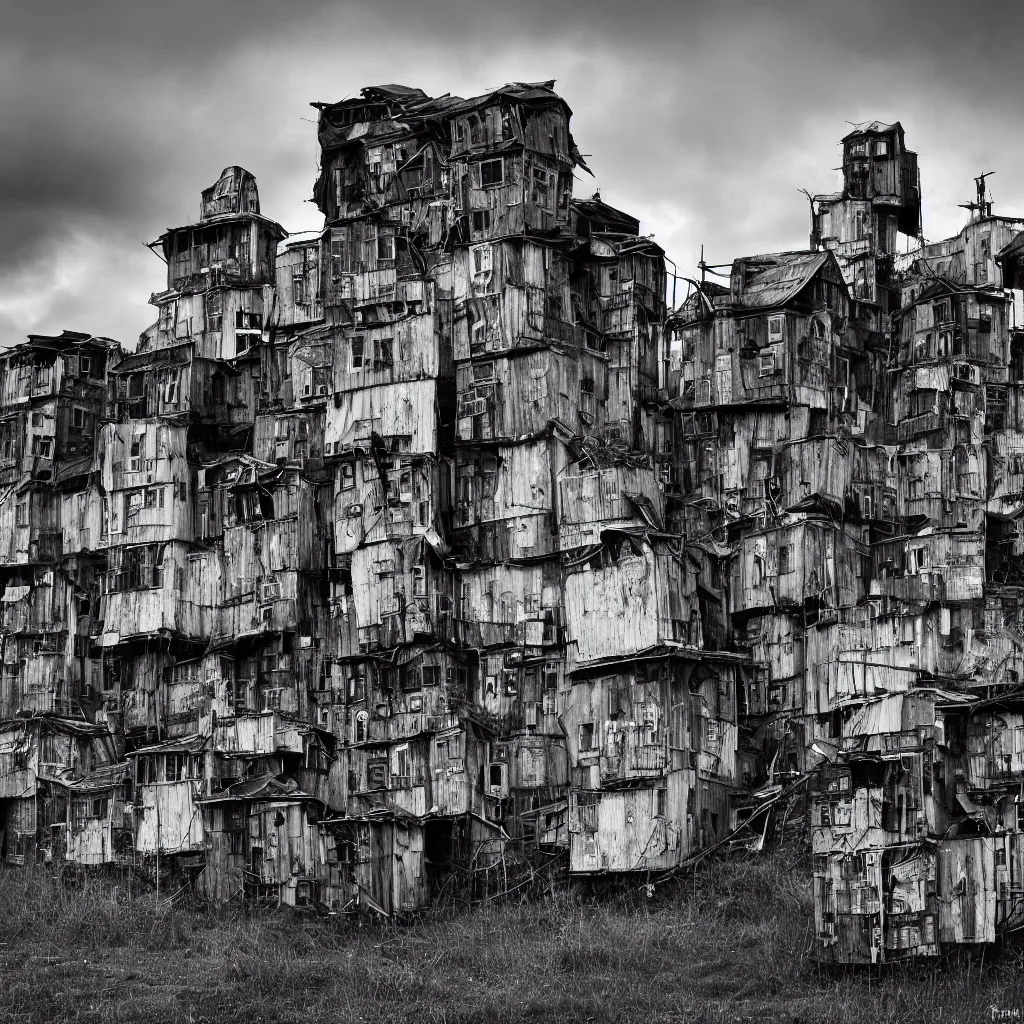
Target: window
881 147
759 570
784 557
246 320
492 172
356 688
660 802
177 767
923 402
766 364
166 318
587 736
78 417
481 221
917 559
214 311
236 840
135 568
85 365
21 513
356 353
842 372
482 259
37 419
541 193
43 447
776 329
383 353
299 289
385 247
419 581
587 398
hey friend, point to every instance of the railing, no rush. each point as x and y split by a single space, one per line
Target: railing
646 758
443 722
913 425
240 273
397 727
637 760
484 634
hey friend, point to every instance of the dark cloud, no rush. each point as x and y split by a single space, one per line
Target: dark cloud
703 119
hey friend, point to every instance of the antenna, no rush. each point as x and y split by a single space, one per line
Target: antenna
982 206
713 267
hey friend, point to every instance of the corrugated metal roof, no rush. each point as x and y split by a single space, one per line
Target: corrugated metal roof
781 279
102 778
189 744
176 355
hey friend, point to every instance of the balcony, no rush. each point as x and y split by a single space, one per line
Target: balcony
230 272
637 761
484 634
914 425
397 727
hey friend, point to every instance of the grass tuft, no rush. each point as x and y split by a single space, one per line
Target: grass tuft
733 943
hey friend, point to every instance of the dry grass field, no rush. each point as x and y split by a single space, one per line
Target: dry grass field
732 944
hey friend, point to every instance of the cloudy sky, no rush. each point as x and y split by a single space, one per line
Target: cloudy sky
702 119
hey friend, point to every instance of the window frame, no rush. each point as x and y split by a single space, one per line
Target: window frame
491 162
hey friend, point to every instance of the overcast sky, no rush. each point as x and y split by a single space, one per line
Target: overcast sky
703 120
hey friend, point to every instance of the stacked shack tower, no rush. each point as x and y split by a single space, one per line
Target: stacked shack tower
914 819
496 437
414 553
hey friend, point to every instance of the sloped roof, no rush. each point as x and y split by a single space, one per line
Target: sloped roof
188 744
873 128
525 92
1014 246
75 467
107 777
266 787
609 218
403 93
176 355
783 277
